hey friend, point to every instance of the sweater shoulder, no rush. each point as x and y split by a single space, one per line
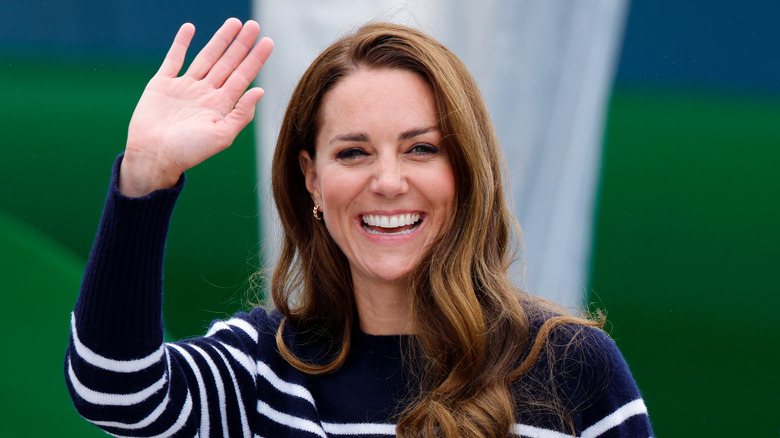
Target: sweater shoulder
257 326
584 359
582 367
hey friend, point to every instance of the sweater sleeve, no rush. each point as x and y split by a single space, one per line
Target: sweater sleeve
119 308
120 374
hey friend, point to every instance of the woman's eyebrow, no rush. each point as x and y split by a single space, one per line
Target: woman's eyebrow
352 137
412 133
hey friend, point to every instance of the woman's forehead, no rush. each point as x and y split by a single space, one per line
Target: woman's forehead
372 100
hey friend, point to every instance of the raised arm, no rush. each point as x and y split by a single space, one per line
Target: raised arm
119 373
181 121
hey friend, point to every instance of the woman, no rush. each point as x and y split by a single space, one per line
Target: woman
395 315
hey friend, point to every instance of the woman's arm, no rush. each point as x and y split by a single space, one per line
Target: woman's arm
120 374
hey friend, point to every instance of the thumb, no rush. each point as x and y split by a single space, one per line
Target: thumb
244 111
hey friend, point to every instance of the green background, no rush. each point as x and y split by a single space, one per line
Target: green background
686 256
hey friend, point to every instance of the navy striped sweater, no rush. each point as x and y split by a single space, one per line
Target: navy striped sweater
232 382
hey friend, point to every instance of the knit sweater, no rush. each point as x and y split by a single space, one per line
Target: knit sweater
233 382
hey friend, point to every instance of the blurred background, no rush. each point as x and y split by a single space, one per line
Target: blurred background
673 214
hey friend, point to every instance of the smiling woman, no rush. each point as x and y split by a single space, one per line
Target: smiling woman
395 315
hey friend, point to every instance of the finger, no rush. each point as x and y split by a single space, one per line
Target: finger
214 48
174 59
243 113
246 72
234 54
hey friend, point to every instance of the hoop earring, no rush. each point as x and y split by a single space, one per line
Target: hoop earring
316 212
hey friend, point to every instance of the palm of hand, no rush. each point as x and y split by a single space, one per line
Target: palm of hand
181 121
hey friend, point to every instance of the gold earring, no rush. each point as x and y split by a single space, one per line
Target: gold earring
316 212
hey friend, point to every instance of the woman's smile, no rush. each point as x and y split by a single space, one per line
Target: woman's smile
391 225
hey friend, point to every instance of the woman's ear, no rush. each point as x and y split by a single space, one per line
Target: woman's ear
310 175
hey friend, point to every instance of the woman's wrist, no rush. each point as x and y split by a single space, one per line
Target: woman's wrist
138 177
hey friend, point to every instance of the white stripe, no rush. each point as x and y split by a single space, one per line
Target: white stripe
537 432
289 420
119 366
235 322
108 399
636 407
617 417
185 412
240 400
220 387
359 428
151 418
215 327
286 387
204 407
243 359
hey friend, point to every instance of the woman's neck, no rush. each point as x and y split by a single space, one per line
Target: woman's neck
383 308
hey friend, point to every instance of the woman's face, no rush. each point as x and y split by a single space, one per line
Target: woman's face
382 178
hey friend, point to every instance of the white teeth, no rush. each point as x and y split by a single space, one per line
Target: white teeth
395 221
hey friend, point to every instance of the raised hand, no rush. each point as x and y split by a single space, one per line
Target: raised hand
182 120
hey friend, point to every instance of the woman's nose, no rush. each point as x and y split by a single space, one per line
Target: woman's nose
389 180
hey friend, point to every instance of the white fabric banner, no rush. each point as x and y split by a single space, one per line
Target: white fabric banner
545 68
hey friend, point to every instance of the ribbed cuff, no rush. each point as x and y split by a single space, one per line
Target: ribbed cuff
119 310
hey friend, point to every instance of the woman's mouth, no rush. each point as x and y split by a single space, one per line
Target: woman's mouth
392 225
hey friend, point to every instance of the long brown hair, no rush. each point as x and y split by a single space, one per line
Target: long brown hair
472 325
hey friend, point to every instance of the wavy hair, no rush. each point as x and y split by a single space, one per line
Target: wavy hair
473 335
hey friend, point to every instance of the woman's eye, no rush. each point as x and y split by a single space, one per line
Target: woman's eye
423 149
350 153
